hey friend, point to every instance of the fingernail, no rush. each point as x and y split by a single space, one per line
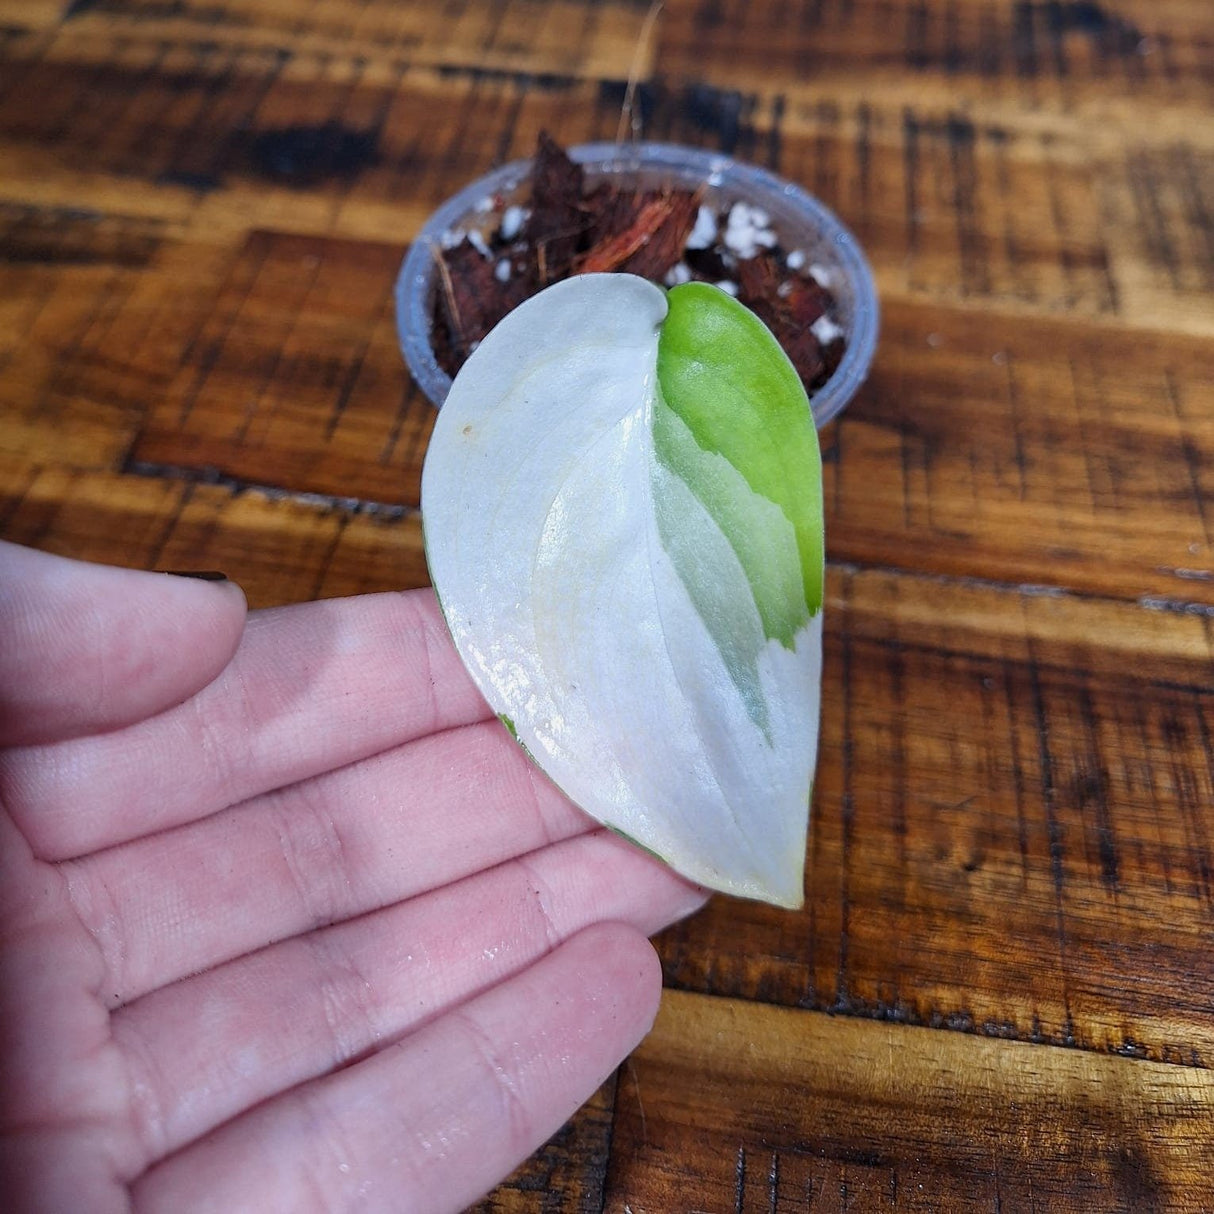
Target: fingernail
203 575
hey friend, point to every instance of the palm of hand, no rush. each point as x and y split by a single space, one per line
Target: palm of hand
286 920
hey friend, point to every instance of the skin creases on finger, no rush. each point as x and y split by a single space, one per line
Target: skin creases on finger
311 688
431 1123
251 1029
348 842
65 1130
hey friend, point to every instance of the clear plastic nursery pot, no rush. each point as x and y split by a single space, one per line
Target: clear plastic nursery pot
800 221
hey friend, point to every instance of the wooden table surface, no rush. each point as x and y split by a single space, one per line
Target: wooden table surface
1000 992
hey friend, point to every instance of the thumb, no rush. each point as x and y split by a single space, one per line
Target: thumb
87 648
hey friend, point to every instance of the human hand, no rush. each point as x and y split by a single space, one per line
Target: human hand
287 922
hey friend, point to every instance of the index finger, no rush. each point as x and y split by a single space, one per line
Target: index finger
86 648
311 688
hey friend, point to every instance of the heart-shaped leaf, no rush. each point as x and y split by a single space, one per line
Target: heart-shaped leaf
622 507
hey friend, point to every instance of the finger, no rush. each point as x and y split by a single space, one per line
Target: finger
370 834
236 1036
311 688
431 1123
56 1051
86 648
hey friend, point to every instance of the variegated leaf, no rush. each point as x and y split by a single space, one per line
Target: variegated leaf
623 516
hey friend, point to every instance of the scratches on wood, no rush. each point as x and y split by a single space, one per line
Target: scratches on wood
715 1068
1054 838
1056 439
1049 49
306 329
50 236
513 35
273 543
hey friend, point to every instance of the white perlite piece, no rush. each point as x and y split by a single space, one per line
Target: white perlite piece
501 271
513 219
796 259
825 330
730 288
477 241
748 230
678 274
705 230
821 275
745 213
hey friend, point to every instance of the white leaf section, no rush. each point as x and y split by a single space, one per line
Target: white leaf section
563 552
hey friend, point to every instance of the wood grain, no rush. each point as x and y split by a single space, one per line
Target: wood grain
586 39
1000 992
1023 451
569 1172
1000 811
730 1106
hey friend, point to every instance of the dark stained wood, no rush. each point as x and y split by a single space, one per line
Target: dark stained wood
569 1172
1022 458
281 548
735 1106
1037 451
1000 992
